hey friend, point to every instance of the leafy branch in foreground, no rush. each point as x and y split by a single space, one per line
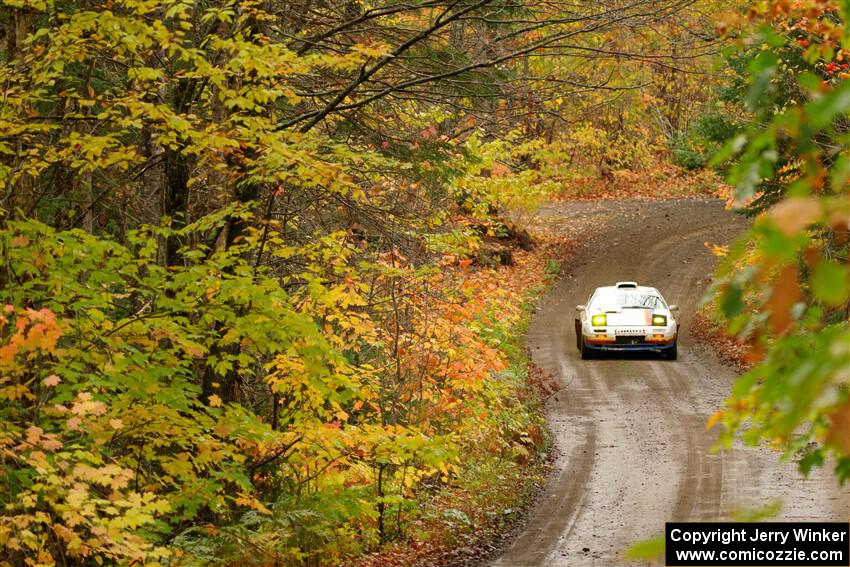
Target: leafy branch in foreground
784 287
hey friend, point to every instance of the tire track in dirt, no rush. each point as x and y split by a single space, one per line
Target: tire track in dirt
632 450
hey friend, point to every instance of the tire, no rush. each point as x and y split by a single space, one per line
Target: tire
578 334
586 353
673 352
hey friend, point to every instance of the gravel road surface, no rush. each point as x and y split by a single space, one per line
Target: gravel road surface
631 447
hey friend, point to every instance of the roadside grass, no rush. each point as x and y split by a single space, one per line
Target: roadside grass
553 267
465 521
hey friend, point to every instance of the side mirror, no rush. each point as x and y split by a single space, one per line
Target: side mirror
674 308
581 307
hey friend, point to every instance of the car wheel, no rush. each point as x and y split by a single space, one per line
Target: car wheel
578 334
586 353
672 352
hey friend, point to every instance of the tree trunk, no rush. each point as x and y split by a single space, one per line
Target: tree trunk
175 199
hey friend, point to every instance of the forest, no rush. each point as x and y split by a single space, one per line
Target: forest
266 266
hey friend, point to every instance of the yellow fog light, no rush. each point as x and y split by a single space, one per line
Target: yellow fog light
599 320
659 320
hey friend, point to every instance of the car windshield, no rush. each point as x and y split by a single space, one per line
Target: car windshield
616 299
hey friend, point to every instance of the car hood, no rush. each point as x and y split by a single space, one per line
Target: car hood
632 316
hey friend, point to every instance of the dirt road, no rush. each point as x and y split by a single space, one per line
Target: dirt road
632 450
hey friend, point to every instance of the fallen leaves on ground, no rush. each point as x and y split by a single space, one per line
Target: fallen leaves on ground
728 349
664 181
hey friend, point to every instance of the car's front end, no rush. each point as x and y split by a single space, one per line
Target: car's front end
634 330
627 318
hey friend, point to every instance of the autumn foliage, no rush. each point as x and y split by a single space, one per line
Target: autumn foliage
111 444
783 289
264 265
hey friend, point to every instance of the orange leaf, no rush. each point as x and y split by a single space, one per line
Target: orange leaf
838 435
786 292
794 214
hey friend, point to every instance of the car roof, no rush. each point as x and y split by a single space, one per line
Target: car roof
643 288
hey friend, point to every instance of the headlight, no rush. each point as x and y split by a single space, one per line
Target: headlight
599 320
659 320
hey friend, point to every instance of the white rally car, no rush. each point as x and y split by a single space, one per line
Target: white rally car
626 317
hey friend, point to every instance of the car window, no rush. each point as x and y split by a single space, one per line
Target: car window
616 299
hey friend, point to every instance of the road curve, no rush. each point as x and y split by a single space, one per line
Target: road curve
631 448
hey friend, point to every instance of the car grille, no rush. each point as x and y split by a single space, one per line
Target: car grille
630 340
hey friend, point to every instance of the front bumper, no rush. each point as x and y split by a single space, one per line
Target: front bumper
648 339
634 347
